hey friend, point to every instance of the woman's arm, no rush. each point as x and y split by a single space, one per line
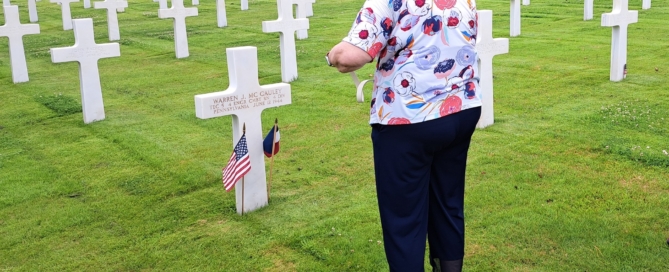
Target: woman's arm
347 57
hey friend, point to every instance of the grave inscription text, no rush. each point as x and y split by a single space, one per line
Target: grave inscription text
252 100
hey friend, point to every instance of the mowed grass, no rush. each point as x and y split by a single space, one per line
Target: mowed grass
573 175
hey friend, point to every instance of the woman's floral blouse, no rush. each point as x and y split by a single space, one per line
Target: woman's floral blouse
426 53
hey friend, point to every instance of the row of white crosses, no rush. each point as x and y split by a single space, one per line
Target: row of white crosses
14 30
487 47
32 8
619 19
87 53
112 7
514 20
286 24
587 9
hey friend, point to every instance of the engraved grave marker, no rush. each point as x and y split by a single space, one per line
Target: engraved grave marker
286 25
619 19
162 4
587 10
112 18
515 18
245 100
179 13
14 31
65 12
487 48
87 53
32 10
304 9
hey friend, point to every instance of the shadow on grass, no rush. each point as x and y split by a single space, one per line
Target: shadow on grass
59 104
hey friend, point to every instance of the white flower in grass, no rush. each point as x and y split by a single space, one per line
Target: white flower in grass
363 35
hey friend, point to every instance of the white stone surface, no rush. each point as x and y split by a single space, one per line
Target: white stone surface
515 18
645 4
14 31
6 3
619 19
487 48
304 9
65 12
179 13
87 53
195 2
526 2
587 10
221 17
122 8
287 26
112 18
32 10
245 4
245 100
87 3
162 4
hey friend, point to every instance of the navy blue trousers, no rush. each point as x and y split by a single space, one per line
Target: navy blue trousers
420 184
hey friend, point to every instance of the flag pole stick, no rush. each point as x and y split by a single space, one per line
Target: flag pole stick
243 133
242 195
271 163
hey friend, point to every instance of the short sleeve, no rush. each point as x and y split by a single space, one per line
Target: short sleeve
372 27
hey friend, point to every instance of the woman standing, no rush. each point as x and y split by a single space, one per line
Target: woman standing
425 106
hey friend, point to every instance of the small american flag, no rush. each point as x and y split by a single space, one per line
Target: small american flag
238 165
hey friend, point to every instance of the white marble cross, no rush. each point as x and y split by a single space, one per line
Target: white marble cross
221 17
487 48
526 2
587 10
6 3
112 17
195 2
162 4
645 4
179 13
515 18
87 53
32 10
304 9
245 4
245 100
65 12
619 19
287 26
87 4
14 31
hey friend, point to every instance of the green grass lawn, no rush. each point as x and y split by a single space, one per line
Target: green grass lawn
573 175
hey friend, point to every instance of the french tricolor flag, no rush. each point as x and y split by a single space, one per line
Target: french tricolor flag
267 143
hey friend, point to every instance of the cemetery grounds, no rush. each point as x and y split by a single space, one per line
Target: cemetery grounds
573 175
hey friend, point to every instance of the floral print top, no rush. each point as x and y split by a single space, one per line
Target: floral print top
427 61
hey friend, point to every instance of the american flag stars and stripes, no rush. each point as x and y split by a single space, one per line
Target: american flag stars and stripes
238 165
